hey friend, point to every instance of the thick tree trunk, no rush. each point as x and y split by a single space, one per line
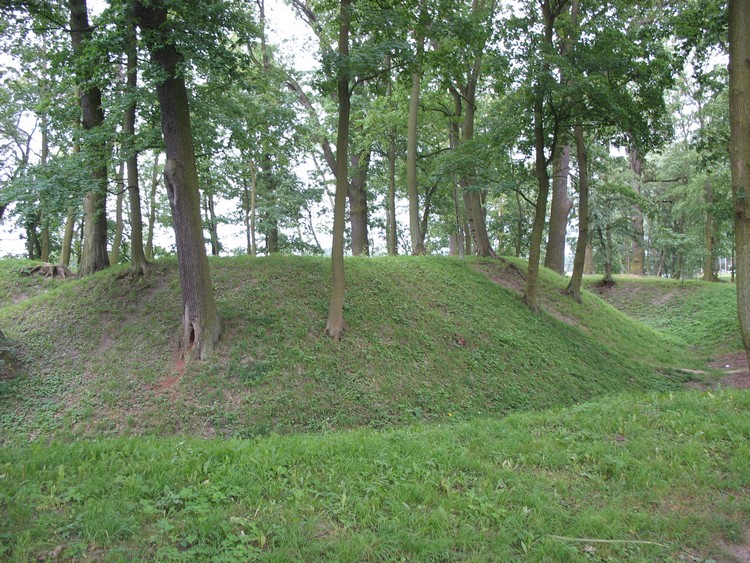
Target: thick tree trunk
638 259
138 263
708 264
335 324
357 194
412 186
574 286
94 255
200 320
152 208
560 207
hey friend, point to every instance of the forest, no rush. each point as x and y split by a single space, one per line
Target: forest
484 128
374 280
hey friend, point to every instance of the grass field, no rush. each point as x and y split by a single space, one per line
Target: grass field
451 424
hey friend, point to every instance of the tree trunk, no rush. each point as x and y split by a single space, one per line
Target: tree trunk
213 228
638 260
559 209
335 324
200 320
531 295
152 208
472 196
253 195
67 241
708 265
94 253
114 255
391 225
574 286
588 264
357 194
138 263
412 186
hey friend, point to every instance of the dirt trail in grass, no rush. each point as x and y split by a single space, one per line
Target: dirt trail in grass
736 368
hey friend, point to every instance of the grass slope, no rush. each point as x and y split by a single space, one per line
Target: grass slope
700 314
427 339
651 478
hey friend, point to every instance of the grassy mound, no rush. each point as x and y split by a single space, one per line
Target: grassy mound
648 478
700 314
427 339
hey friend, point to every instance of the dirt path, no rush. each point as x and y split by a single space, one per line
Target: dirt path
736 368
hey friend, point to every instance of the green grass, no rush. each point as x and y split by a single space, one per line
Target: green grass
667 470
702 315
427 340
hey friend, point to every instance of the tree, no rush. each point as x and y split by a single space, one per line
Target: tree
201 325
94 255
739 151
335 324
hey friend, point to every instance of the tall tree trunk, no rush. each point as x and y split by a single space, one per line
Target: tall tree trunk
200 320
391 225
412 186
152 208
472 196
560 207
638 260
708 264
531 295
335 324
253 195
588 263
138 263
574 286
213 230
94 255
114 255
357 194
67 241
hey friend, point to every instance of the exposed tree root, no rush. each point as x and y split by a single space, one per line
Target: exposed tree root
49 271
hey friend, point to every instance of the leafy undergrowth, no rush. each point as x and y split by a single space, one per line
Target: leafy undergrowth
636 478
700 314
427 339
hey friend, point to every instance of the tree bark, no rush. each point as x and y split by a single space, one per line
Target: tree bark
412 186
213 228
114 255
200 320
708 264
391 225
335 324
531 295
357 194
588 264
574 286
638 259
67 241
560 207
138 263
152 208
94 255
